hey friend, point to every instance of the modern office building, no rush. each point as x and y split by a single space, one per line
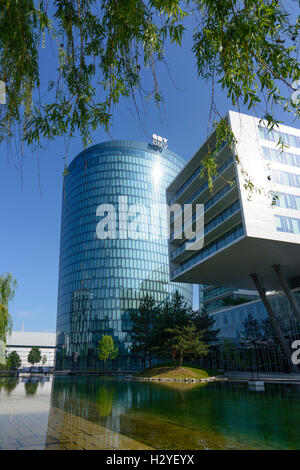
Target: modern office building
103 276
247 341
23 341
248 240
244 232
212 298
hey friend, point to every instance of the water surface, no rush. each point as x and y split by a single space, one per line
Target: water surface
88 412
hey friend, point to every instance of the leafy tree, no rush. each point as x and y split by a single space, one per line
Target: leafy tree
142 326
204 323
104 50
44 359
173 313
185 341
7 291
107 349
14 360
34 355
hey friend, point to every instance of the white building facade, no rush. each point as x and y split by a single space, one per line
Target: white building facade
23 341
251 227
244 232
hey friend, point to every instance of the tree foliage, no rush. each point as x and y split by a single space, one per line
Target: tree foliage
185 341
173 325
14 360
103 49
107 349
205 323
34 355
142 325
171 329
7 291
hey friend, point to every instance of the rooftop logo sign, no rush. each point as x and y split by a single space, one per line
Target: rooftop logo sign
159 141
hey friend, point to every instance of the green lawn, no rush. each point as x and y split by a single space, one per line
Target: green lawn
167 371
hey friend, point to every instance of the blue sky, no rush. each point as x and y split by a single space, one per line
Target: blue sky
30 213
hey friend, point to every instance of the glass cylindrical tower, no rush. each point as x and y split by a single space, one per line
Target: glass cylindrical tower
102 280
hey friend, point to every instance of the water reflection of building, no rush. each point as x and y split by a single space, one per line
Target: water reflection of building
102 280
87 415
24 410
110 413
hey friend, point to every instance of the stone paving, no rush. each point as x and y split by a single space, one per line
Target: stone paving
59 430
67 431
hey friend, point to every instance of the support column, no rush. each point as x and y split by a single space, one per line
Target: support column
286 289
274 322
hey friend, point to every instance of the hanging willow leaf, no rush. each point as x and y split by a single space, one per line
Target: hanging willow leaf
7 291
104 47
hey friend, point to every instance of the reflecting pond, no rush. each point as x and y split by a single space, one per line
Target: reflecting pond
89 412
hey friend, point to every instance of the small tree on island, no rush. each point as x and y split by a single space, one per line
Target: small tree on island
107 349
184 341
34 355
14 360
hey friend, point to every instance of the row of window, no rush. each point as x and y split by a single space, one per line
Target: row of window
215 292
81 205
110 306
288 201
159 282
204 186
123 245
286 158
219 219
82 261
138 221
208 204
285 178
216 245
90 262
236 320
81 187
118 177
109 193
191 178
274 135
99 155
88 275
99 290
287 224
88 241
162 285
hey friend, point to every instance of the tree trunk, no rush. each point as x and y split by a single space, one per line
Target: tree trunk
149 359
180 360
174 358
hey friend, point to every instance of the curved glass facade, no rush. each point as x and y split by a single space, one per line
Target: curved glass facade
102 280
